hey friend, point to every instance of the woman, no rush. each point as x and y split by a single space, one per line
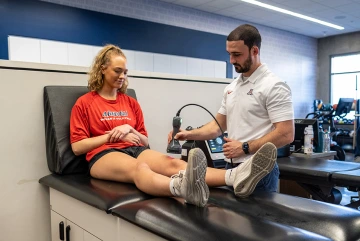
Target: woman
108 126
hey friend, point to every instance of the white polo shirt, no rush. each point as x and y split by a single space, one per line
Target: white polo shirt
252 106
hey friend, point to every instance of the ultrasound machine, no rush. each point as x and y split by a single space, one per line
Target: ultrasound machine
213 150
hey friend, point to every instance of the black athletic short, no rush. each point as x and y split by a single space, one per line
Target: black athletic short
133 151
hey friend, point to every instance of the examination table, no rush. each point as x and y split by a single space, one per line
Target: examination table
106 210
319 176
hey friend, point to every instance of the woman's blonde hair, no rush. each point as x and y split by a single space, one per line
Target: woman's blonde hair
102 59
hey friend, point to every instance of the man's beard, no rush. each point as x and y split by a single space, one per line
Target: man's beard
246 66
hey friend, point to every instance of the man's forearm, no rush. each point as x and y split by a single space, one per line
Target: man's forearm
280 136
277 140
207 132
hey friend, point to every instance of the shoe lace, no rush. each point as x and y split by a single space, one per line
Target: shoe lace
178 180
178 175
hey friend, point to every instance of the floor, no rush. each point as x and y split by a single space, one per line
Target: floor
349 197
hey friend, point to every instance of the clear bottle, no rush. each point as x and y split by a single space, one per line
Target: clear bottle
308 139
327 141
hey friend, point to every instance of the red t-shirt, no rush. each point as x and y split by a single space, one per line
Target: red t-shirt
92 115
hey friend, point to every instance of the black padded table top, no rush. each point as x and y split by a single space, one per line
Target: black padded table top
314 216
174 220
262 216
311 170
101 194
346 178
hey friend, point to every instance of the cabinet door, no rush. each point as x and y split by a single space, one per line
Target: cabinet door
74 232
90 237
58 224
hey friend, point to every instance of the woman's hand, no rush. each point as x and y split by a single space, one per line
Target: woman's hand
117 133
132 138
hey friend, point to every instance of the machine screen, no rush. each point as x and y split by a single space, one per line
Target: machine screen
216 145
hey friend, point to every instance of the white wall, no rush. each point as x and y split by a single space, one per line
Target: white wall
25 211
56 52
293 57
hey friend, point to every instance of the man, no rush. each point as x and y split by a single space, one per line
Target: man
256 107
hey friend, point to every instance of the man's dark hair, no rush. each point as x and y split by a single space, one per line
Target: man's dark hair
247 33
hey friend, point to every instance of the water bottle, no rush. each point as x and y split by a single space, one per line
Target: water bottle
320 145
327 141
308 140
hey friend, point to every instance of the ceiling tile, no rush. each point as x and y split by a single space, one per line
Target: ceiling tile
268 15
191 3
357 15
346 11
349 8
275 1
227 13
354 24
308 7
207 8
243 8
327 15
244 17
296 4
222 4
347 20
169 1
334 3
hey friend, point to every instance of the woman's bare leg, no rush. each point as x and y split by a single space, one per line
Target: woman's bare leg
151 182
162 163
243 178
117 166
215 177
190 185
168 166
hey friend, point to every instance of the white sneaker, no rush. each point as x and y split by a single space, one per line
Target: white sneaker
190 184
254 169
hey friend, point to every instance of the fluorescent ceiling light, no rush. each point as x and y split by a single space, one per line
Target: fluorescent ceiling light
281 10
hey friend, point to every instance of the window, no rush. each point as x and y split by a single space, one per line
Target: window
345 79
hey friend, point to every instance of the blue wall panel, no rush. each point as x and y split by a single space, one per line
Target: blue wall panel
36 19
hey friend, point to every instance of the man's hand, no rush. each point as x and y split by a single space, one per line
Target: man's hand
118 132
181 135
232 148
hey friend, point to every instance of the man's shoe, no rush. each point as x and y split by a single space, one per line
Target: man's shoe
254 169
191 183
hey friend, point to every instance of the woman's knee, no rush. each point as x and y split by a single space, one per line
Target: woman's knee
175 165
140 172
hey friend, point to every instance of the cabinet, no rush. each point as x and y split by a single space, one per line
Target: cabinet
89 237
91 224
65 230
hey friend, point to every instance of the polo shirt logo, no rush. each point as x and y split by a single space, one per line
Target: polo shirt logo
250 92
229 92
